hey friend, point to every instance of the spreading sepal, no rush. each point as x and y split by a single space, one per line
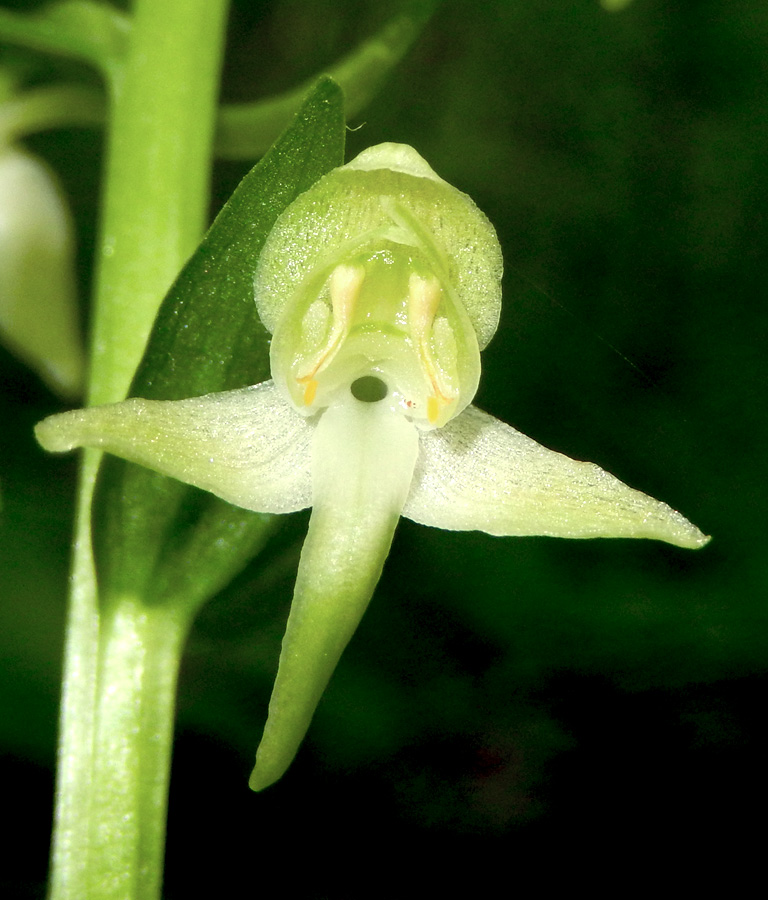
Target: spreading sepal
248 446
479 474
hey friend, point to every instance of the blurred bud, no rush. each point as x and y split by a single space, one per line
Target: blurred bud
38 298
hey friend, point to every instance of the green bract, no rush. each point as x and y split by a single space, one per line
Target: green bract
380 285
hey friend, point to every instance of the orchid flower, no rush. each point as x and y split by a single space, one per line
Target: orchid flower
38 298
380 286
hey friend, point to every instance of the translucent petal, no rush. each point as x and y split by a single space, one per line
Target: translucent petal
477 473
248 446
363 456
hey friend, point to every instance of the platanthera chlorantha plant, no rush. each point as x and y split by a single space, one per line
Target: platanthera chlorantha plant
380 286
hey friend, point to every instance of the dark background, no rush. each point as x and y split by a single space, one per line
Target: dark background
505 701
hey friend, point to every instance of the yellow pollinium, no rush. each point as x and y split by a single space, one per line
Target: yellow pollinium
424 295
344 285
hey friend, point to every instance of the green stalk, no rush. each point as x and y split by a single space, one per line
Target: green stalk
140 651
112 780
155 205
50 106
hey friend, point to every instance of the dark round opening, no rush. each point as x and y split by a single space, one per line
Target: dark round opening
369 389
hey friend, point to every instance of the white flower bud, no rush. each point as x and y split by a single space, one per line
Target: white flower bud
38 299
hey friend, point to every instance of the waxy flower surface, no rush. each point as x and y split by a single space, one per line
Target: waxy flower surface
380 286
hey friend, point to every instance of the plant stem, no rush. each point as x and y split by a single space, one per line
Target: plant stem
110 812
155 205
140 651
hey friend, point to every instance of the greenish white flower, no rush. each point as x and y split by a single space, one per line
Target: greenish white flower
380 285
38 297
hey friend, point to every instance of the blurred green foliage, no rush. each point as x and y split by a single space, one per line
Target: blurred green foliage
519 690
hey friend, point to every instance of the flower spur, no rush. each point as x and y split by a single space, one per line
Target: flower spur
380 286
